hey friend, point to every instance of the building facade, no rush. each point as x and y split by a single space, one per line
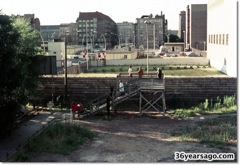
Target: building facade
222 36
57 48
151 30
196 27
34 22
182 25
126 33
50 32
95 28
69 32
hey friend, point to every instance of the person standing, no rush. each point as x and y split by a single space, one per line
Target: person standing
108 100
130 70
74 109
140 72
159 73
121 87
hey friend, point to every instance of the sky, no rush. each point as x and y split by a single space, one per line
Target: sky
54 12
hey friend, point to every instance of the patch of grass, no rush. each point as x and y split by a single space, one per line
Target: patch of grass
169 70
60 138
220 130
227 105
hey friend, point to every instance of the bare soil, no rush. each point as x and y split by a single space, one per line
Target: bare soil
131 138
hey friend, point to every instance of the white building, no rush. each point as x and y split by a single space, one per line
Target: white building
57 49
222 35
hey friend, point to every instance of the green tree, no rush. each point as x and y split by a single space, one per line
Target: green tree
18 77
174 38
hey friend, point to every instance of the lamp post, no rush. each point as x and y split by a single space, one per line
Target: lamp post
184 40
134 39
65 70
204 45
154 37
147 22
42 40
104 41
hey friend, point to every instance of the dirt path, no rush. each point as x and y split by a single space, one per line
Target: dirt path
133 139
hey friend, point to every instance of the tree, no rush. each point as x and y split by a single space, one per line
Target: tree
18 78
173 38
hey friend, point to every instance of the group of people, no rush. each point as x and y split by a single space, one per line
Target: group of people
130 72
140 72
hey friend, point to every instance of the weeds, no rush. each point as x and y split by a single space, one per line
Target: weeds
220 130
60 138
227 105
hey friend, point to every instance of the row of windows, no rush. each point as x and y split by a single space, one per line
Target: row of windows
88 25
221 39
88 30
93 20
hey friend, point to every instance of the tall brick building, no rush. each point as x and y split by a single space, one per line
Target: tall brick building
98 27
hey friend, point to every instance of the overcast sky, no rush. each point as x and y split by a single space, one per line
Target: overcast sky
54 12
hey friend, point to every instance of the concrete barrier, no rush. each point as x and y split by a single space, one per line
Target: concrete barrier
177 89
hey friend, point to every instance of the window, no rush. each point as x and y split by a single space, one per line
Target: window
216 38
223 39
220 39
226 39
54 52
125 57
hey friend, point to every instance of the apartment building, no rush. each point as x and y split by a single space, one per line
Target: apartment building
49 32
95 28
34 22
182 25
126 33
196 27
152 30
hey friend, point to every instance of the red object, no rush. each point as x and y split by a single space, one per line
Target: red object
182 54
74 106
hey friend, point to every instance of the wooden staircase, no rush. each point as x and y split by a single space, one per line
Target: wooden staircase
132 88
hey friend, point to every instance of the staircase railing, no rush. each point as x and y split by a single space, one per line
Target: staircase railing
131 88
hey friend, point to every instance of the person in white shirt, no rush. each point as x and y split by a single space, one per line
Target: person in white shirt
121 87
130 70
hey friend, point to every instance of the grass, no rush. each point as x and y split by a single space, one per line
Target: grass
220 130
168 70
216 131
227 105
58 138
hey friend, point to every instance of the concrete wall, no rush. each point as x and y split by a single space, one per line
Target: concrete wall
162 61
116 55
222 35
192 90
